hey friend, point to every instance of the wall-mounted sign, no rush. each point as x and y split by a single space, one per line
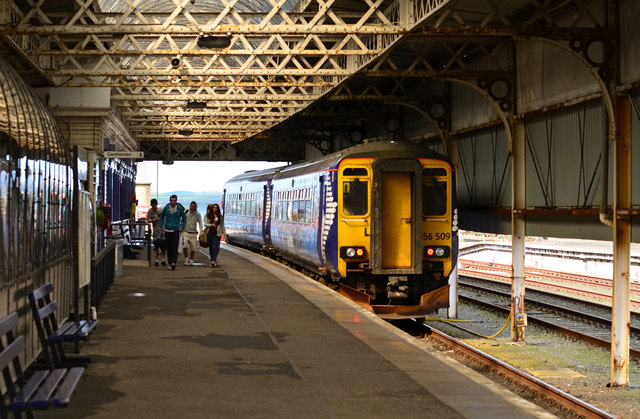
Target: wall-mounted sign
124 154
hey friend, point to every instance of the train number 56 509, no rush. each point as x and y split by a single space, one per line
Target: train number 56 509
438 236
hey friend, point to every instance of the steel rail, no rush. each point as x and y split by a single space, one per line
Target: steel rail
560 309
633 353
533 272
546 390
492 272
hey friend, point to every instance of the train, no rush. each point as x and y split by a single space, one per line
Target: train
378 221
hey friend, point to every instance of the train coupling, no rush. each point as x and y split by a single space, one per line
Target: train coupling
398 287
429 303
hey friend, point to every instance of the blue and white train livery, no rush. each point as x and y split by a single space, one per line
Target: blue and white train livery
379 219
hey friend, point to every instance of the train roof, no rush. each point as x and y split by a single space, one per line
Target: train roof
374 148
256 175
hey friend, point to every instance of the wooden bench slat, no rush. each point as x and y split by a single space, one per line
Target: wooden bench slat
68 387
74 330
42 292
12 351
42 399
46 311
21 401
88 327
45 388
8 323
67 331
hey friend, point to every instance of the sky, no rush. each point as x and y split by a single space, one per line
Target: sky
195 176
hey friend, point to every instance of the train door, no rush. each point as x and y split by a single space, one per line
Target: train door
397 221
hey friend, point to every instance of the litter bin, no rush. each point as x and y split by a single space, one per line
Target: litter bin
119 255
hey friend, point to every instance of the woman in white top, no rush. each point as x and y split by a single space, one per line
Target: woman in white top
214 223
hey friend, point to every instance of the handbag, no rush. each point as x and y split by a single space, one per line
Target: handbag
202 238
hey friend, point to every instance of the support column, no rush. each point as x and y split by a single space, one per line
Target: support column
518 232
621 245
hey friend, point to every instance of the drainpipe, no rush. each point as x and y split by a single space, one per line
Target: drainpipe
605 218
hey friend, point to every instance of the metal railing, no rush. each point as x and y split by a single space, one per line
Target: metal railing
102 273
137 234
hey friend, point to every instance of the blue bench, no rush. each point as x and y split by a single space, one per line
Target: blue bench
53 336
43 390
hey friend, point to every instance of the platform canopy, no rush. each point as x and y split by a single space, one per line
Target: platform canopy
193 79
213 70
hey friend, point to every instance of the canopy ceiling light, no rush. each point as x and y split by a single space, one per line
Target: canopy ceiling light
214 41
196 104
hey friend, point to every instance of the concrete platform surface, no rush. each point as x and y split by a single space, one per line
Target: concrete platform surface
256 339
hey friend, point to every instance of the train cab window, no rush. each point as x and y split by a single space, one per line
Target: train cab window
434 197
434 171
354 171
355 200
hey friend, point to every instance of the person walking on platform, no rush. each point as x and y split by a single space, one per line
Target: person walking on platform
159 247
172 221
214 222
190 233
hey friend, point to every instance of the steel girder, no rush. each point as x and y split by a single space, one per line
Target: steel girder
250 150
474 45
277 55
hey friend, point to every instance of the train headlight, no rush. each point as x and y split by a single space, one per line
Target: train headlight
436 252
353 252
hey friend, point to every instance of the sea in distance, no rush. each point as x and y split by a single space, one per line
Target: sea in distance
185 197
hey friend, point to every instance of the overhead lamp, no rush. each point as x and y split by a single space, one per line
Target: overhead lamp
175 62
185 132
167 161
214 41
196 104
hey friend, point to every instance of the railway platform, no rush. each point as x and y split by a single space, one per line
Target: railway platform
256 339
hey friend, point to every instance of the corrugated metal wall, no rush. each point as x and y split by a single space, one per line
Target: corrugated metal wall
484 169
565 132
564 148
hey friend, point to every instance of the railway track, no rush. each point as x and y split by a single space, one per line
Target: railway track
566 283
557 399
561 314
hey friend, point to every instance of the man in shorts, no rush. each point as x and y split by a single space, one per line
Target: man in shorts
190 233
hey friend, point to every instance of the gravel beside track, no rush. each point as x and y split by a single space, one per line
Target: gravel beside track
572 366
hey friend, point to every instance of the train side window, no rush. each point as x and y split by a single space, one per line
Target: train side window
434 197
309 211
289 207
355 200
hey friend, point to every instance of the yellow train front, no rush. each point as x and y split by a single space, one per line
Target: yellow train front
396 230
